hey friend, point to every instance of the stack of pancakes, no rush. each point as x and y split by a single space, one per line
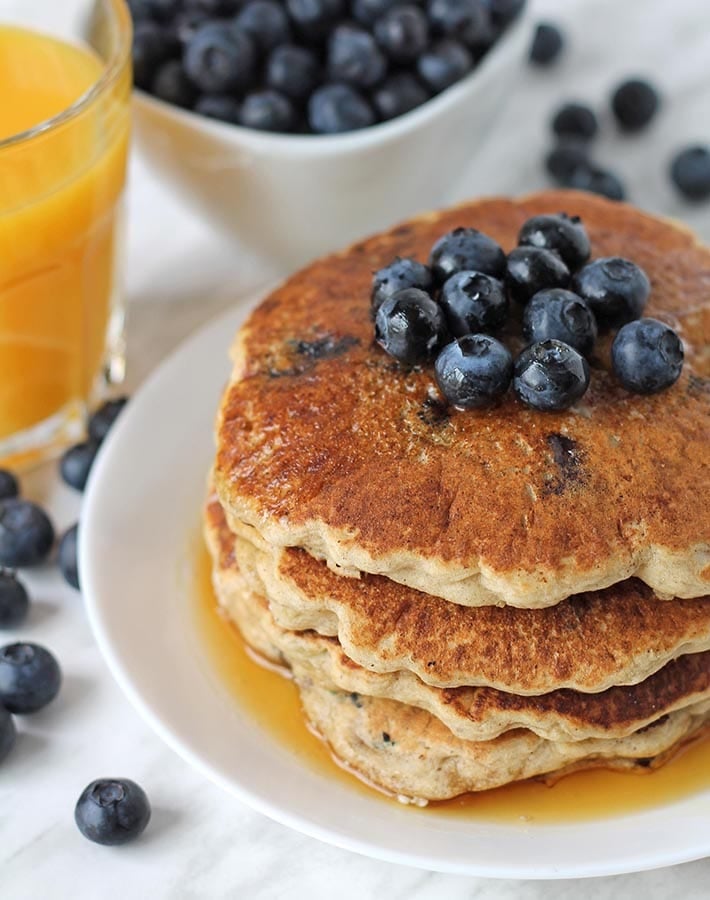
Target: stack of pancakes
466 599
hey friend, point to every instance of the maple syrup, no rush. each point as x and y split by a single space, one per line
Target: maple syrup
271 698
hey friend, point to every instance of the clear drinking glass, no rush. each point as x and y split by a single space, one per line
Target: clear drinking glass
61 188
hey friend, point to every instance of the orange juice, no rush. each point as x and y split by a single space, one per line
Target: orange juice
60 191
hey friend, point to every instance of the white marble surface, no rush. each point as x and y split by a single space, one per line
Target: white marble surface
202 843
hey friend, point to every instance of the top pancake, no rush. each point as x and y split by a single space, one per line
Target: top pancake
324 442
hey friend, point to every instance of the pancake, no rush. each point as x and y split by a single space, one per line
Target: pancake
325 443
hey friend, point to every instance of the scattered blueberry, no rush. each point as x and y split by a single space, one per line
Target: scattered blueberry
647 356
266 22
30 678
403 33
615 289
443 64
547 44
315 18
597 181
172 85
466 249
564 159
564 234
398 94
268 111
634 103
219 106
690 171
14 600
293 70
152 46
220 58
550 376
9 486
533 269
101 421
67 556
473 302
8 732
354 57
76 464
575 120
112 811
410 326
464 20
398 275
26 534
335 108
473 371
561 316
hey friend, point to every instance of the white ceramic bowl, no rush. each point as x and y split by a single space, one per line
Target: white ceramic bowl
290 198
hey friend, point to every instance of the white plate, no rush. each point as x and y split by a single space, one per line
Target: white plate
140 515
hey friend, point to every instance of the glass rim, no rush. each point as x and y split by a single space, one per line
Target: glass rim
109 75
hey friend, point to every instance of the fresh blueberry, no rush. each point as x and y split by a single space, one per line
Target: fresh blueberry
152 46
597 181
561 316
550 376
367 11
403 33
503 12
172 85
30 678
410 326
466 249
616 289
354 57
473 371
67 556
547 44
464 20
647 356
533 269
112 811
335 108
575 120
266 22
690 171
315 18
76 464
564 234
398 94
473 302
293 71
8 732
26 534
220 58
634 103
564 159
186 23
268 111
14 600
219 106
443 64
9 486
398 275
101 421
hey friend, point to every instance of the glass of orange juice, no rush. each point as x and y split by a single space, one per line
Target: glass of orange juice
65 72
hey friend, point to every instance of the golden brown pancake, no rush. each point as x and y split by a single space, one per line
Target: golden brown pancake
324 442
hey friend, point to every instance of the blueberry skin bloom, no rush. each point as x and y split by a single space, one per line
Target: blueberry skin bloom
550 376
400 274
8 733
473 302
466 249
473 371
14 601
533 269
443 64
112 811
690 171
26 534
616 289
30 678
335 108
220 58
354 57
410 327
76 464
293 71
268 111
403 33
562 316
266 22
564 234
647 356
398 94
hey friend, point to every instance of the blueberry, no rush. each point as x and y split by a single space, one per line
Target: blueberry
67 556
547 44
9 486
354 57
315 18
564 159
14 600
473 371
615 289
634 103
564 234
220 58
112 811
464 20
186 23
76 464
597 181
398 275
575 120
140 10
473 302
30 678
647 356
410 326
172 85
403 33
550 375
561 316
503 12
466 249
443 64
268 111
266 22
690 171
293 70
334 108
101 421
152 46
398 94
533 269
219 106
367 11
8 733
26 534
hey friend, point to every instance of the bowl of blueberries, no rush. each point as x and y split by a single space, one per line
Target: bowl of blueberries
298 126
